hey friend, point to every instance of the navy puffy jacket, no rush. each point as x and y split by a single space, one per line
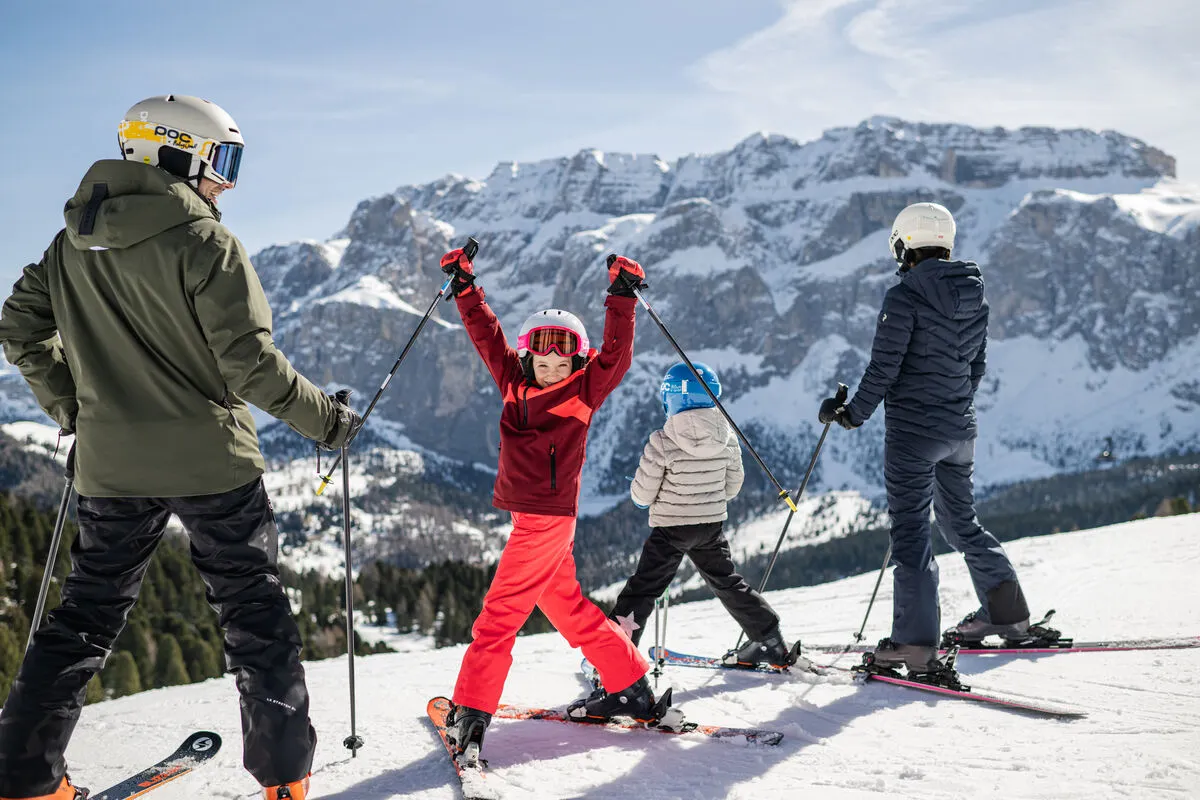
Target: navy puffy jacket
928 356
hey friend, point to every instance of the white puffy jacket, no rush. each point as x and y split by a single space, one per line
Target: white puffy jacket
689 470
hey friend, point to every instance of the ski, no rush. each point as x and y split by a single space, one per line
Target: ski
962 692
1040 639
945 681
1064 646
195 750
468 766
676 728
673 658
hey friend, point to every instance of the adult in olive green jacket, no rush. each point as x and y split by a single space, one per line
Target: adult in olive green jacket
144 330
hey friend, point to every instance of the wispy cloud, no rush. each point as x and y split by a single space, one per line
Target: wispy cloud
1133 67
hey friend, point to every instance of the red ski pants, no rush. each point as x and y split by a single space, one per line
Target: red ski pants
537 567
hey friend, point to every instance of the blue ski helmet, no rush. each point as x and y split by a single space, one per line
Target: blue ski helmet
680 391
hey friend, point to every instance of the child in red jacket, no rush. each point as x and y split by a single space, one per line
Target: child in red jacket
550 386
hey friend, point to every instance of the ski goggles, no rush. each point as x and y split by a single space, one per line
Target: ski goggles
226 160
544 341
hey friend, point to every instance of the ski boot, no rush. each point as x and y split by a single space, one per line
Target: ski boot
1037 634
636 702
921 664
769 652
975 627
464 729
296 790
65 791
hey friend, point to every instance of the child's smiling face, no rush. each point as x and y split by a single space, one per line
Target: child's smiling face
551 369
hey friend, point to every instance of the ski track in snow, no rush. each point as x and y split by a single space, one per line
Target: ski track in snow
841 740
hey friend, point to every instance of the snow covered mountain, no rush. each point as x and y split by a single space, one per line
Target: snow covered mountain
841 740
769 262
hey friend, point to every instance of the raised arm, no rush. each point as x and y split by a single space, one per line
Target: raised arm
481 323
609 366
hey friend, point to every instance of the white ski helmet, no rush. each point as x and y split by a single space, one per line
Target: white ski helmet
921 225
552 330
186 136
574 338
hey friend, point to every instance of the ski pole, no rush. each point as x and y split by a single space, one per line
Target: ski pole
472 247
842 392
353 741
55 541
858 637
660 633
783 493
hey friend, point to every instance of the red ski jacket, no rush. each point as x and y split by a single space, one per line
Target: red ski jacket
543 432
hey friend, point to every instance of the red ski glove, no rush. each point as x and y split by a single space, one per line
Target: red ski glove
626 275
457 264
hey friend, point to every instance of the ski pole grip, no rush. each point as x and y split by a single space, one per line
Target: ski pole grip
471 248
842 393
71 463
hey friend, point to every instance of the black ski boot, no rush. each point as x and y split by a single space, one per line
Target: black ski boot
770 651
465 727
637 702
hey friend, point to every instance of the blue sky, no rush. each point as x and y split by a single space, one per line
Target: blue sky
342 102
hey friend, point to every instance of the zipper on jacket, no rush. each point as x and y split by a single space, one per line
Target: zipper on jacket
553 469
225 401
525 407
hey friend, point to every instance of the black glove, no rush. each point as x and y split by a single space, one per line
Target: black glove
626 275
834 410
347 424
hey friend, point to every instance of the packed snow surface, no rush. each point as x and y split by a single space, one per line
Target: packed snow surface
841 740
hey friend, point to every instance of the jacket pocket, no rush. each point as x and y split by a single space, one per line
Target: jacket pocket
553 469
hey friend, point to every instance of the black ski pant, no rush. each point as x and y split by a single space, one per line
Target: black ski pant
705 544
920 472
234 544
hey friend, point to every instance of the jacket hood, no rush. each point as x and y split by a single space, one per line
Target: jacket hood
699 432
121 203
954 288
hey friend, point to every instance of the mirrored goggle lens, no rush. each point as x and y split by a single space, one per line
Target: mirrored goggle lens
227 160
545 340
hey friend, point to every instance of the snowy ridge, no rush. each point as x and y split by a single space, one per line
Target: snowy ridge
841 741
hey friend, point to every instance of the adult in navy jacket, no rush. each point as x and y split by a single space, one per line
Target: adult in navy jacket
927 361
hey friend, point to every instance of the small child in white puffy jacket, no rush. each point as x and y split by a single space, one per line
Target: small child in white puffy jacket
690 470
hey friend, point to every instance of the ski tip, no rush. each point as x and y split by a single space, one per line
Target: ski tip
202 743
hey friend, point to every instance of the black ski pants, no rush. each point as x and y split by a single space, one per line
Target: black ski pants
234 544
705 544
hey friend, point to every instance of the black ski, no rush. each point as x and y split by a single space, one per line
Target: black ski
195 750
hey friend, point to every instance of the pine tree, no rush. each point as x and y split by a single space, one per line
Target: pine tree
199 658
169 669
95 690
120 675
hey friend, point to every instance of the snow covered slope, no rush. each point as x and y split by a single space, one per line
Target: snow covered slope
842 740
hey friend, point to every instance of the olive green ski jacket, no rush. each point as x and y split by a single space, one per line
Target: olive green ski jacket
144 329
